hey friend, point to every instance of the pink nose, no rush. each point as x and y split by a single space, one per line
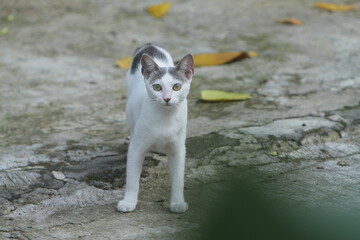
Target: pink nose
167 100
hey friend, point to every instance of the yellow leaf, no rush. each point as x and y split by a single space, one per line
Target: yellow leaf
159 10
124 63
209 59
290 21
335 7
219 96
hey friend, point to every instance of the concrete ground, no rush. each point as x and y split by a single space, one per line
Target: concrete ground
63 131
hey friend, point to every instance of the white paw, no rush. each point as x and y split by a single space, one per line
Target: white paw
179 207
124 206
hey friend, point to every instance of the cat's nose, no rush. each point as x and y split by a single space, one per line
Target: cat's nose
167 99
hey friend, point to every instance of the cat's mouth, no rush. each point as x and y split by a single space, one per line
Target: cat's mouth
168 105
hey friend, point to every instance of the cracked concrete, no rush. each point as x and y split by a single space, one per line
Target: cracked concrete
63 134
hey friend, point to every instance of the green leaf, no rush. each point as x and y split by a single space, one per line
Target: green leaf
220 96
10 18
4 31
274 154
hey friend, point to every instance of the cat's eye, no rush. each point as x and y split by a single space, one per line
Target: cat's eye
157 87
177 86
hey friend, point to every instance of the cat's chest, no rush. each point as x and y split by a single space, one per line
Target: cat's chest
159 127
165 130
161 137
165 124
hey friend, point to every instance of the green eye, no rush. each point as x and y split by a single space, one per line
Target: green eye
157 87
177 86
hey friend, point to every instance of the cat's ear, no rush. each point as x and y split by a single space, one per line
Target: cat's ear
186 65
148 65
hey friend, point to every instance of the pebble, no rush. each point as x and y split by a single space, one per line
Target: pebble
342 163
58 175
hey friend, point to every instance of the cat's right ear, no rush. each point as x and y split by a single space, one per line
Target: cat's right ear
148 65
186 65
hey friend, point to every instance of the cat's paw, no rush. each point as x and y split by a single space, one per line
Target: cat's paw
124 206
178 207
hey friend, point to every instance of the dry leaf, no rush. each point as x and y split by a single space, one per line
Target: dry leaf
335 7
220 96
203 59
221 58
124 63
290 21
159 10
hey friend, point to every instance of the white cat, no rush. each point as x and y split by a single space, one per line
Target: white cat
156 112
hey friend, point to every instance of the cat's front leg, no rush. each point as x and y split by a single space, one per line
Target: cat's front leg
176 158
135 159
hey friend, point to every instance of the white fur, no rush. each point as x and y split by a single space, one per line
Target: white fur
156 126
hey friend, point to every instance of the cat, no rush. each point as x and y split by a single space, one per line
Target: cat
156 113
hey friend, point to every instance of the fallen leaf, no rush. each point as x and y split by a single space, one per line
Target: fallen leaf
159 10
290 21
10 18
4 31
210 59
124 63
220 96
335 7
274 154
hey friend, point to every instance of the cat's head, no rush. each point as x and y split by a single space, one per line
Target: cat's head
167 86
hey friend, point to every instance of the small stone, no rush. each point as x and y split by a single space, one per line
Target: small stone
342 163
58 175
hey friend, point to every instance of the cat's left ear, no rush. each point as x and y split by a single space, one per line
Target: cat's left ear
186 65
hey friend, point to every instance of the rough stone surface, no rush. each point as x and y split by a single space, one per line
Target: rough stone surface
291 129
63 133
5 206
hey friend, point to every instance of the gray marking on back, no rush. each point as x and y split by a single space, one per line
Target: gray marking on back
151 50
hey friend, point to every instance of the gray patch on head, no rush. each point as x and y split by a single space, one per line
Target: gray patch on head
157 74
175 73
151 50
